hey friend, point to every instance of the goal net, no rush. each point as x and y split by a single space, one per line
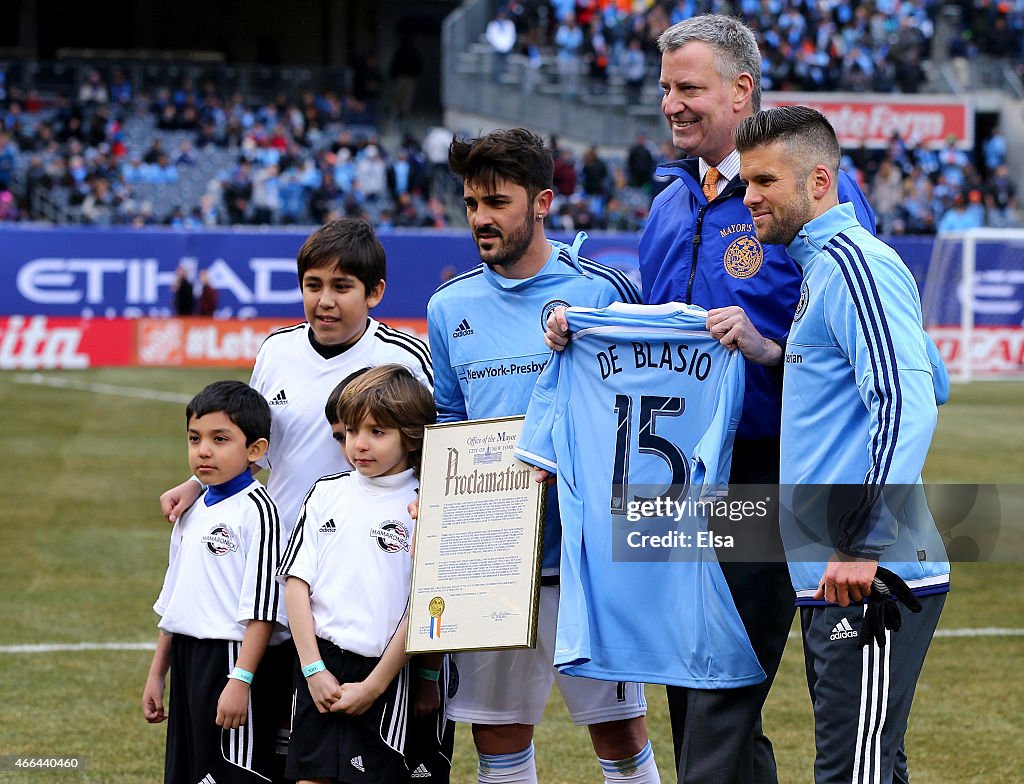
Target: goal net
973 302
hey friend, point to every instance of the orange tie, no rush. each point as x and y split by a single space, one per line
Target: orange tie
711 184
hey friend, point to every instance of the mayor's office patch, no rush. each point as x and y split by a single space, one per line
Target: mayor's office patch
743 257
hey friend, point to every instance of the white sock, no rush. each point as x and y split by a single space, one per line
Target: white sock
638 769
517 768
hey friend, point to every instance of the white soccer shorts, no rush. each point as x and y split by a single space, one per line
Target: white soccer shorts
512 687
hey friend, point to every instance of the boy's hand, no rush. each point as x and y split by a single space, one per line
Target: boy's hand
176 501
426 697
233 705
355 698
324 689
153 701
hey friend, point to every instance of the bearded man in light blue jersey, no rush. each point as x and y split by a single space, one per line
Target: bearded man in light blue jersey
486 337
858 413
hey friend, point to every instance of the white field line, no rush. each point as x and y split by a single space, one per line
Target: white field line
80 646
989 631
103 389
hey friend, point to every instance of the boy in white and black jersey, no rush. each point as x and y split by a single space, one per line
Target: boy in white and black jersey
219 605
347 573
341 271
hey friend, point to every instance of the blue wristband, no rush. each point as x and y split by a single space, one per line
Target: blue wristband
428 674
241 675
314 668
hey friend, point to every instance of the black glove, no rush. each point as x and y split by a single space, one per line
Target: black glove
883 606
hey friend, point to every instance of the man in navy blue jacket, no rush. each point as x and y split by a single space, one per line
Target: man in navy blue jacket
700 247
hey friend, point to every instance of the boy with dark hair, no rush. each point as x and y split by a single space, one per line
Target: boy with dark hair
342 271
219 603
347 573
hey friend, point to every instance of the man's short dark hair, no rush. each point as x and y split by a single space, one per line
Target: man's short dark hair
350 245
242 404
805 132
515 155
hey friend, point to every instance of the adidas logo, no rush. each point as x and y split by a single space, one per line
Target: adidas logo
463 329
328 527
842 630
357 763
421 772
279 399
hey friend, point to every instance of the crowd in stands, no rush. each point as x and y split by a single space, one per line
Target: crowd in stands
913 189
187 156
807 45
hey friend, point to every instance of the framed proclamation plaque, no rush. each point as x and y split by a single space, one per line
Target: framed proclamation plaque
476 562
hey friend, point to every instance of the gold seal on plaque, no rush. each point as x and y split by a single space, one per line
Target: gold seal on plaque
436 607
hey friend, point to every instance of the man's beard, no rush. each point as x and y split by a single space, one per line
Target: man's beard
787 225
510 248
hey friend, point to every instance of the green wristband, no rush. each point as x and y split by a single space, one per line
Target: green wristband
314 668
241 675
428 674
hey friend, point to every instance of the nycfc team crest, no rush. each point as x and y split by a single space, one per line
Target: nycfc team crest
391 537
221 540
549 308
801 306
743 257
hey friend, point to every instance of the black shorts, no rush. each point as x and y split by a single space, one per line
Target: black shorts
196 747
431 739
345 748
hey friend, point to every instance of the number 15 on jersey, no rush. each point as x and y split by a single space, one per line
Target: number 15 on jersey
648 442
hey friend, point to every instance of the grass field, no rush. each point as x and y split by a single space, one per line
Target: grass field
83 549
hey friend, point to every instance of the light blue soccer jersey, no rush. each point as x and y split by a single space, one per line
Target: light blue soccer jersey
637 417
858 411
487 340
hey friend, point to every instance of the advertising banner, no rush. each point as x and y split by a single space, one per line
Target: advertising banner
45 343
995 351
871 120
202 342
129 272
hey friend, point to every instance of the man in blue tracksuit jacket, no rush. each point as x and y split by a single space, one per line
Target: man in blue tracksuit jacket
858 413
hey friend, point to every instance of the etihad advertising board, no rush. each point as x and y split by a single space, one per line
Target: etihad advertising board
107 273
